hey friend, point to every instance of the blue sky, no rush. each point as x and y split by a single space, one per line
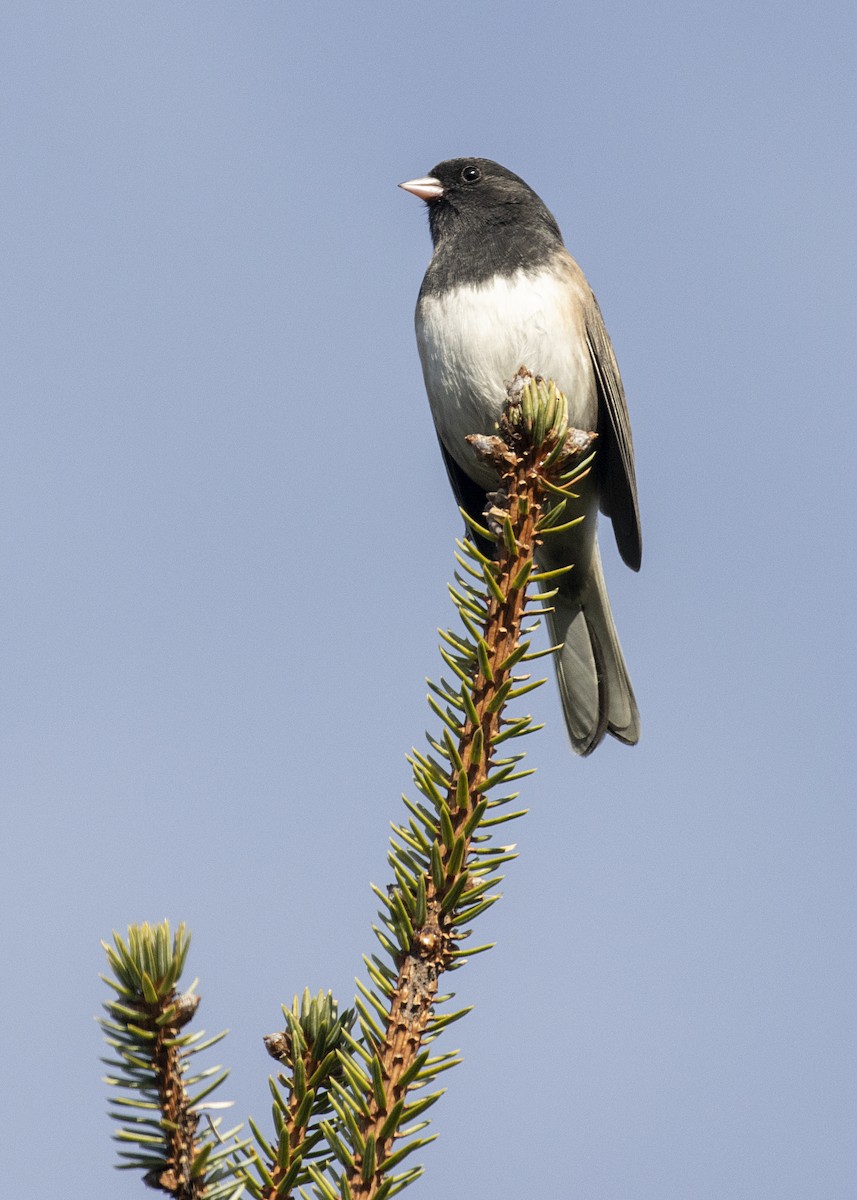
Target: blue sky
226 534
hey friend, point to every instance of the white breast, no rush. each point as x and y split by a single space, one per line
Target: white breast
472 340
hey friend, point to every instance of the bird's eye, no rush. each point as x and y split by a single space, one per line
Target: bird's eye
471 174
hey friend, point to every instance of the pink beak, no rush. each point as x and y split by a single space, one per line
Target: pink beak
428 188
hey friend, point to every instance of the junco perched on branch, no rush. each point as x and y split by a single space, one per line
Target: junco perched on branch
502 291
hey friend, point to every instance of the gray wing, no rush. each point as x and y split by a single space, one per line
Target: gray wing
469 495
615 460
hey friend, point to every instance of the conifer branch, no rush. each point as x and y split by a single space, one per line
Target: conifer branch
349 1106
146 1028
308 1048
442 866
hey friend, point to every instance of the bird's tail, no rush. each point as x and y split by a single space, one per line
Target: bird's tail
594 687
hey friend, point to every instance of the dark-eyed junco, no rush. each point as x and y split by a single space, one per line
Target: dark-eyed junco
502 291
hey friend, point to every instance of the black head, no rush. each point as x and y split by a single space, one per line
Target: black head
476 192
486 215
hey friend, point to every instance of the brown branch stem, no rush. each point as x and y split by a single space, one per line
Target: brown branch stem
521 466
179 1120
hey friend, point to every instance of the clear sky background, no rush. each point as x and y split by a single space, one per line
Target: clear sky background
226 536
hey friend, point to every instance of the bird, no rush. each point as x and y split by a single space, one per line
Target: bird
502 291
